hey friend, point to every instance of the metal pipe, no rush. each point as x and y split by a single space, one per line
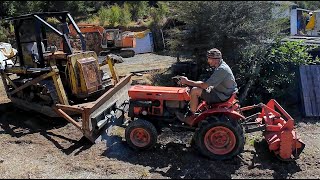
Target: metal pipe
68 118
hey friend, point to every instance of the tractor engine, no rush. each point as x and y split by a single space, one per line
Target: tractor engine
156 101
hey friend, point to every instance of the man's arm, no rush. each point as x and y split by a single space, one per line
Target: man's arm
200 84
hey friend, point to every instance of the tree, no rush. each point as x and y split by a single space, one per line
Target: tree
158 15
15 8
240 29
125 17
138 9
280 68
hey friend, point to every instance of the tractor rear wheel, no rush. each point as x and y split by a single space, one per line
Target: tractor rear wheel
221 138
141 134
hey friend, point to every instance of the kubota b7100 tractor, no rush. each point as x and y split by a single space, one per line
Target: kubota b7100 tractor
218 129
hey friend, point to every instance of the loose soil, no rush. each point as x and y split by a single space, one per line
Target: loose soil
35 146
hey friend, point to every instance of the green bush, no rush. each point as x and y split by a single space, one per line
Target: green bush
114 15
280 71
125 18
275 73
4 33
158 14
103 16
138 9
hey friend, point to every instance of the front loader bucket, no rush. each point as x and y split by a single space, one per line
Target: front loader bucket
93 116
279 131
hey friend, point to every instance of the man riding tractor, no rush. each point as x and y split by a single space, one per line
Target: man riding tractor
218 88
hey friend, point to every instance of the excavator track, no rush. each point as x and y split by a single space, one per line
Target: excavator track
126 53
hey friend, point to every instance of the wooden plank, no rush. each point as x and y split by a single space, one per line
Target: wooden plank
304 82
308 100
313 92
307 106
316 88
302 76
303 94
309 89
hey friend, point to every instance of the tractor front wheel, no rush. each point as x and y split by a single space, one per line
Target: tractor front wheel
141 134
221 138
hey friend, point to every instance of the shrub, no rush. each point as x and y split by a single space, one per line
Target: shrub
138 9
125 18
103 16
114 15
158 14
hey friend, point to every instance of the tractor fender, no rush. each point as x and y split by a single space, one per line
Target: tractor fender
212 112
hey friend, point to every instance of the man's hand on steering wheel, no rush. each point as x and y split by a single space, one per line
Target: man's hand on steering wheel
183 80
180 80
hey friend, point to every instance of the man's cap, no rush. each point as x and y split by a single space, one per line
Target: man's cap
214 53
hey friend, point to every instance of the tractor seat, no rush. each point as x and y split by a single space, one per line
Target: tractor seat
229 102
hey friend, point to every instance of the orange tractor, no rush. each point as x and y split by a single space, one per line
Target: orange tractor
218 129
106 41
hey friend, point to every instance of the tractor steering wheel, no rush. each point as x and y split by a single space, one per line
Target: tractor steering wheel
177 79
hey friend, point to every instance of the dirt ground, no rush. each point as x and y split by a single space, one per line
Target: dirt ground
35 146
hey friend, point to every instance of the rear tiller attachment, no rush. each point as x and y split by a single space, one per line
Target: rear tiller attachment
278 131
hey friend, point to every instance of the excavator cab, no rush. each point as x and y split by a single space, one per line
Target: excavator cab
110 37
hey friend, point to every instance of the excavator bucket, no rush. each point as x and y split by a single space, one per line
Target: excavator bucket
279 133
278 129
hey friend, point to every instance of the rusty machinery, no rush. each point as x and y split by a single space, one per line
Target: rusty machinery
218 129
113 41
61 83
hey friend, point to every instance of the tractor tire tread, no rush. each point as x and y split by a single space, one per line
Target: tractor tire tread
225 121
145 125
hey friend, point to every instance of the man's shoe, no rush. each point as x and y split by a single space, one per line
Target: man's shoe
188 119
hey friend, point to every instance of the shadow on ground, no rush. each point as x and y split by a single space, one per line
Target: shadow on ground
174 160
264 159
177 160
18 123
